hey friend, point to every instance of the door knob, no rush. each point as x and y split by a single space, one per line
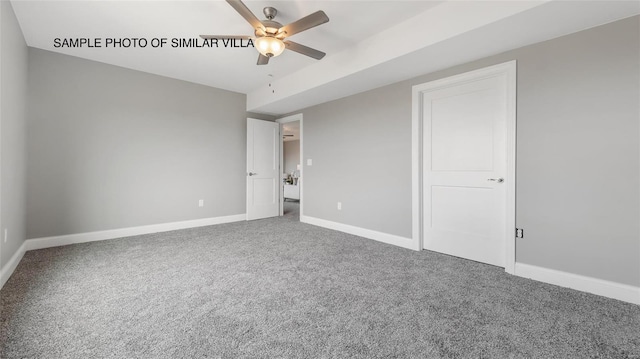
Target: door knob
252 173
499 180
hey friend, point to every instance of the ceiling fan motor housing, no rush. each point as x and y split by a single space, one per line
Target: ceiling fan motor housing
270 28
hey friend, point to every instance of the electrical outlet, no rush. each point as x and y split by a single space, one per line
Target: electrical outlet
201 203
519 233
309 162
339 206
6 234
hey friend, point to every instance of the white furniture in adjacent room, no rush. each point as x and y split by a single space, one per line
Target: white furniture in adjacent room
291 191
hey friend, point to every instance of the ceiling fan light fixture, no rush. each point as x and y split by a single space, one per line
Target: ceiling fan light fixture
269 46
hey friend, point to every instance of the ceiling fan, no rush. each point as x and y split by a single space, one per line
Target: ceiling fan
271 35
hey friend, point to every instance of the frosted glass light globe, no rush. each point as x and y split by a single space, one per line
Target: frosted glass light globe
269 46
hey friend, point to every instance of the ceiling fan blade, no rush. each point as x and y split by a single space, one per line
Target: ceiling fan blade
244 11
239 37
305 50
307 22
263 60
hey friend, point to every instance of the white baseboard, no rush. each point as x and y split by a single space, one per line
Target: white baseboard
47 242
403 242
623 292
9 267
605 288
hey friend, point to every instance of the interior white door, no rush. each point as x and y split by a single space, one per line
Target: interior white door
263 169
464 154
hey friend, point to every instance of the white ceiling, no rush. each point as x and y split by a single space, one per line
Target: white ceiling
368 43
292 131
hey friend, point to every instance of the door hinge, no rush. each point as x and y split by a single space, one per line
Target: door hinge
519 233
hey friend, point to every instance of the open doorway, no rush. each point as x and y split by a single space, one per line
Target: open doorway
291 166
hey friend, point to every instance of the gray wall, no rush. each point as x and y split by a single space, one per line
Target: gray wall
13 96
361 151
577 153
291 155
112 148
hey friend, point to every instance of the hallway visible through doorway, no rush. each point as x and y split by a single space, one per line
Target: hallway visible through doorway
292 210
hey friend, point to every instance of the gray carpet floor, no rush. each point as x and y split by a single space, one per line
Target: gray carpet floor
291 210
278 288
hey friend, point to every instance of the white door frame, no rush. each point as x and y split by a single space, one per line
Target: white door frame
292 118
507 69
